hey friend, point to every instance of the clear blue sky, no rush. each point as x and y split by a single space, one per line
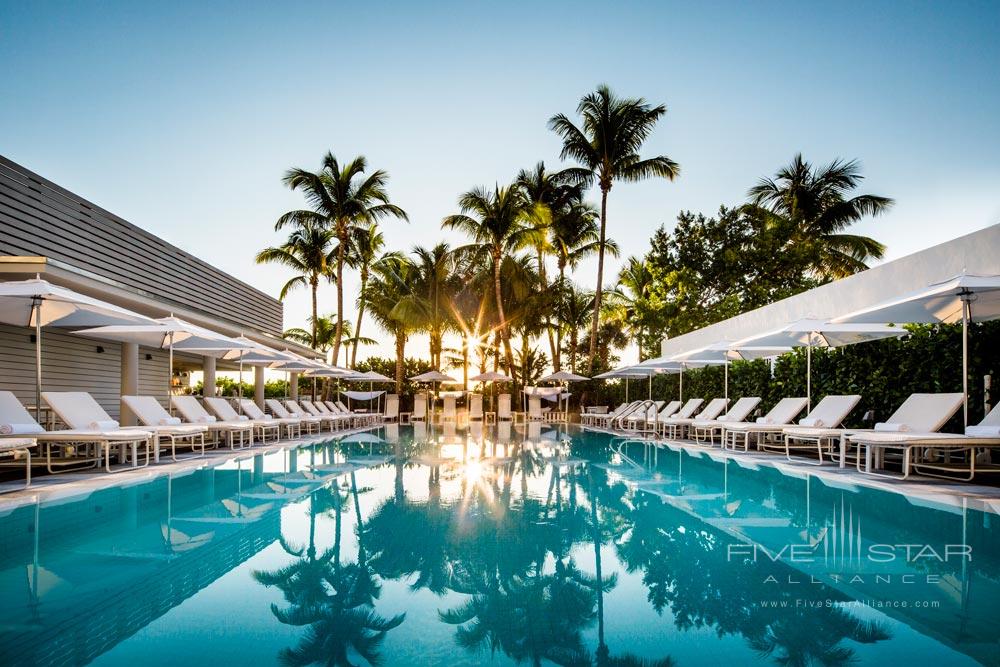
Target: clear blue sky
182 117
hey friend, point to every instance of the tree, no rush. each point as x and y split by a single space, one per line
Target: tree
629 304
389 294
309 252
575 309
575 235
366 245
436 281
817 207
341 198
497 224
607 144
710 269
319 336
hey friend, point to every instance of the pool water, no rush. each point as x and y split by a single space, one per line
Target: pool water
537 545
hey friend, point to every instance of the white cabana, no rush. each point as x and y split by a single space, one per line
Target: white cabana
565 377
38 303
964 298
813 332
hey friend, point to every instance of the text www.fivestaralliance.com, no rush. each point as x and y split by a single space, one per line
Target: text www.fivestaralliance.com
875 604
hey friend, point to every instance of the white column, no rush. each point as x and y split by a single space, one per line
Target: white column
258 386
130 380
293 386
208 367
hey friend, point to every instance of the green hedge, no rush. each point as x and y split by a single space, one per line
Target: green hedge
884 373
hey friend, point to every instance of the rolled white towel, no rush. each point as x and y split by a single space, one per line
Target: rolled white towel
764 420
811 422
206 419
242 418
983 431
170 421
103 425
894 428
20 429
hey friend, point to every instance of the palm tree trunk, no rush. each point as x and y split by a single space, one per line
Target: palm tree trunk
342 243
361 314
544 280
600 280
400 360
557 356
505 332
314 283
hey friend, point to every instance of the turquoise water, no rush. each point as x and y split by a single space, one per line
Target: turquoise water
467 548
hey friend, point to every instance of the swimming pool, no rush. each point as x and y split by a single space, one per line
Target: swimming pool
533 545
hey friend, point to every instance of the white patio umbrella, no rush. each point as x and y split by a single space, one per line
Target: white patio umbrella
249 353
668 365
38 303
813 332
433 377
169 333
629 372
299 364
722 352
492 377
964 298
564 377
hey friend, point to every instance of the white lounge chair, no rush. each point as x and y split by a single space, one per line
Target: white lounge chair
369 417
75 409
391 413
782 414
308 422
504 413
335 418
812 431
604 420
638 421
225 412
449 412
168 429
292 425
914 426
298 411
708 428
419 413
535 409
919 413
476 408
675 427
238 433
18 449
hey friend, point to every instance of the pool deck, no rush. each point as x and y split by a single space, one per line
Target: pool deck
67 486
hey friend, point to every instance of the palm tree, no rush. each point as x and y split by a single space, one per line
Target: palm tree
341 198
629 302
307 251
436 283
575 310
366 244
319 336
497 223
389 294
817 206
607 145
550 195
575 235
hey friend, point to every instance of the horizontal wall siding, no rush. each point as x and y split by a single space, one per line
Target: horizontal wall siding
69 363
38 217
153 374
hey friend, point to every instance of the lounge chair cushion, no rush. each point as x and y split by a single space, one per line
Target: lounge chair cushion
891 428
20 429
983 431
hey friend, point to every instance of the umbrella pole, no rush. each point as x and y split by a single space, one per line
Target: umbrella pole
680 382
170 370
809 358
966 311
239 387
726 382
36 309
649 397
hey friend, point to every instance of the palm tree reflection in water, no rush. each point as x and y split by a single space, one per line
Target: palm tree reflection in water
334 600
